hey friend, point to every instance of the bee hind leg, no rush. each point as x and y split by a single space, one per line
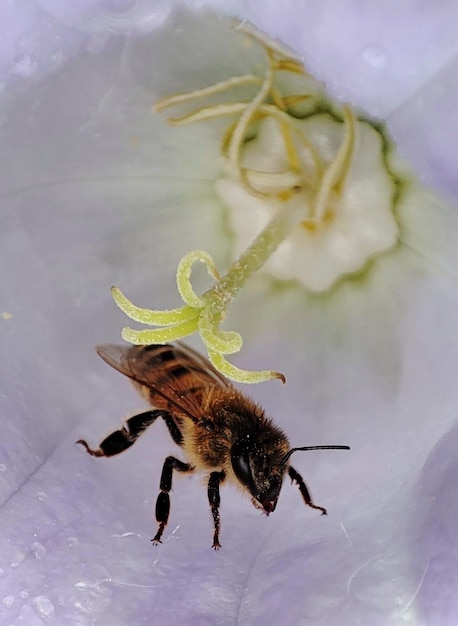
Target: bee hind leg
163 499
126 436
216 478
297 478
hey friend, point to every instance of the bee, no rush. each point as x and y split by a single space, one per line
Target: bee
221 431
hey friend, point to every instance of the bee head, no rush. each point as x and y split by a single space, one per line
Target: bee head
256 462
260 463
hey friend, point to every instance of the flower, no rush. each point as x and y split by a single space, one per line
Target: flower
93 194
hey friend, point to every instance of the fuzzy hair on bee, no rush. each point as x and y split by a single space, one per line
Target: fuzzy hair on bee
221 431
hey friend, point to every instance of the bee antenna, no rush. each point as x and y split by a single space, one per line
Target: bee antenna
288 454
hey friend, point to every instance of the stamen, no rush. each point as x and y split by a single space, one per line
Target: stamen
272 183
334 177
234 81
291 65
242 125
207 113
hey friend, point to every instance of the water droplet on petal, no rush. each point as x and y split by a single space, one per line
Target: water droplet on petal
375 56
23 66
43 607
81 585
38 550
18 559
41 495
24 594
72 542
8 601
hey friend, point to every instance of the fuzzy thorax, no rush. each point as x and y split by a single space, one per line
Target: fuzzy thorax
233 423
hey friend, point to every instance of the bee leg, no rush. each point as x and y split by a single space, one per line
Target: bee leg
216 478
295 476
174 431
163 499
127 435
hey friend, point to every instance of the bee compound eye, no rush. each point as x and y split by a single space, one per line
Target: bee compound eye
240 460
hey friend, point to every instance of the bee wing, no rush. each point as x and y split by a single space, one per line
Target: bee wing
177 377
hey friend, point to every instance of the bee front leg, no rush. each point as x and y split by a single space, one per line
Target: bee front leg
163 499
127 435
295 476
216 478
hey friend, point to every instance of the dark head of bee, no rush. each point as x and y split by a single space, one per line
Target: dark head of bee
257 465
